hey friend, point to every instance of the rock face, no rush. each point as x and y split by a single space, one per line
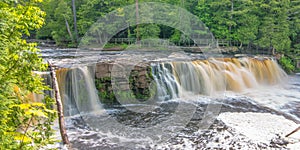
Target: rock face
103 70
117 81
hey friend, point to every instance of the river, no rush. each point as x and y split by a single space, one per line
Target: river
246 103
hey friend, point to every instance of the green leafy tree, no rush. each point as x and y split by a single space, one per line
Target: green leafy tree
246 20
89 12
63 24
294 16
274 26
149 31
270 24
221 18
45 32
24 124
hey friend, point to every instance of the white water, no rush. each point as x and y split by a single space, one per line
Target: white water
81 94
209 77
261 81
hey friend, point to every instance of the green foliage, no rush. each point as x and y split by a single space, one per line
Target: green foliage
175 38
116 46
294 23
265 23
48 7
287 64
59 14
274 25
268 24
246 22
148 31
105 92
110 96
24 124
63 15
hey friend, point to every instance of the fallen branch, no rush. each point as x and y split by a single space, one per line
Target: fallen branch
61 121
297 129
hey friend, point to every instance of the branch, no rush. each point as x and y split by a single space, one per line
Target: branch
21 145
59 105
294 131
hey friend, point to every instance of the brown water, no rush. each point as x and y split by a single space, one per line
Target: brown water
188 92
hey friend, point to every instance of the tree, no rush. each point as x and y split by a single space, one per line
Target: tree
274 26
294 20
48 7
246 20
217 15
24 123
148 31
92 10
63 21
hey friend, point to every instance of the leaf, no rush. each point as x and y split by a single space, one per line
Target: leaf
22 137
38 113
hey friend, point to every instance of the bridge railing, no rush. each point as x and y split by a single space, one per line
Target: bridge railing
163 41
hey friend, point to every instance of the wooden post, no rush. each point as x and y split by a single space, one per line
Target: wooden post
61 120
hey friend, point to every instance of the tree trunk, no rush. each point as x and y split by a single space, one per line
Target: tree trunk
68 29
61 121
75 21
273 51
137 20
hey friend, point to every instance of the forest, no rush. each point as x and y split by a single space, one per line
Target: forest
272 24
269 24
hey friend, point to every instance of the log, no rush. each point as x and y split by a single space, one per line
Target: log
59 105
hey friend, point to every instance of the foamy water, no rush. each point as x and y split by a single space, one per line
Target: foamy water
189 93
281 97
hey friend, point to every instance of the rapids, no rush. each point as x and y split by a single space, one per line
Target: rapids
189 96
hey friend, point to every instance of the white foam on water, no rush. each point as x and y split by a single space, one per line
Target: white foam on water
260 127
274 96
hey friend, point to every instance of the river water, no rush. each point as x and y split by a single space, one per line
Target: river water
186 120
282 101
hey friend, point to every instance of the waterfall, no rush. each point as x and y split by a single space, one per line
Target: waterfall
174 80
167 86
206 77
77 88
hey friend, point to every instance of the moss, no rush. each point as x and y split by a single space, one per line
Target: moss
140 91
106 95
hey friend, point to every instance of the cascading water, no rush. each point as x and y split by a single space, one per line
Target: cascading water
243 81
78 90
173 79
207 77
167 86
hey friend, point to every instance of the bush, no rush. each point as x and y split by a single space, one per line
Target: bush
287 64
24 124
